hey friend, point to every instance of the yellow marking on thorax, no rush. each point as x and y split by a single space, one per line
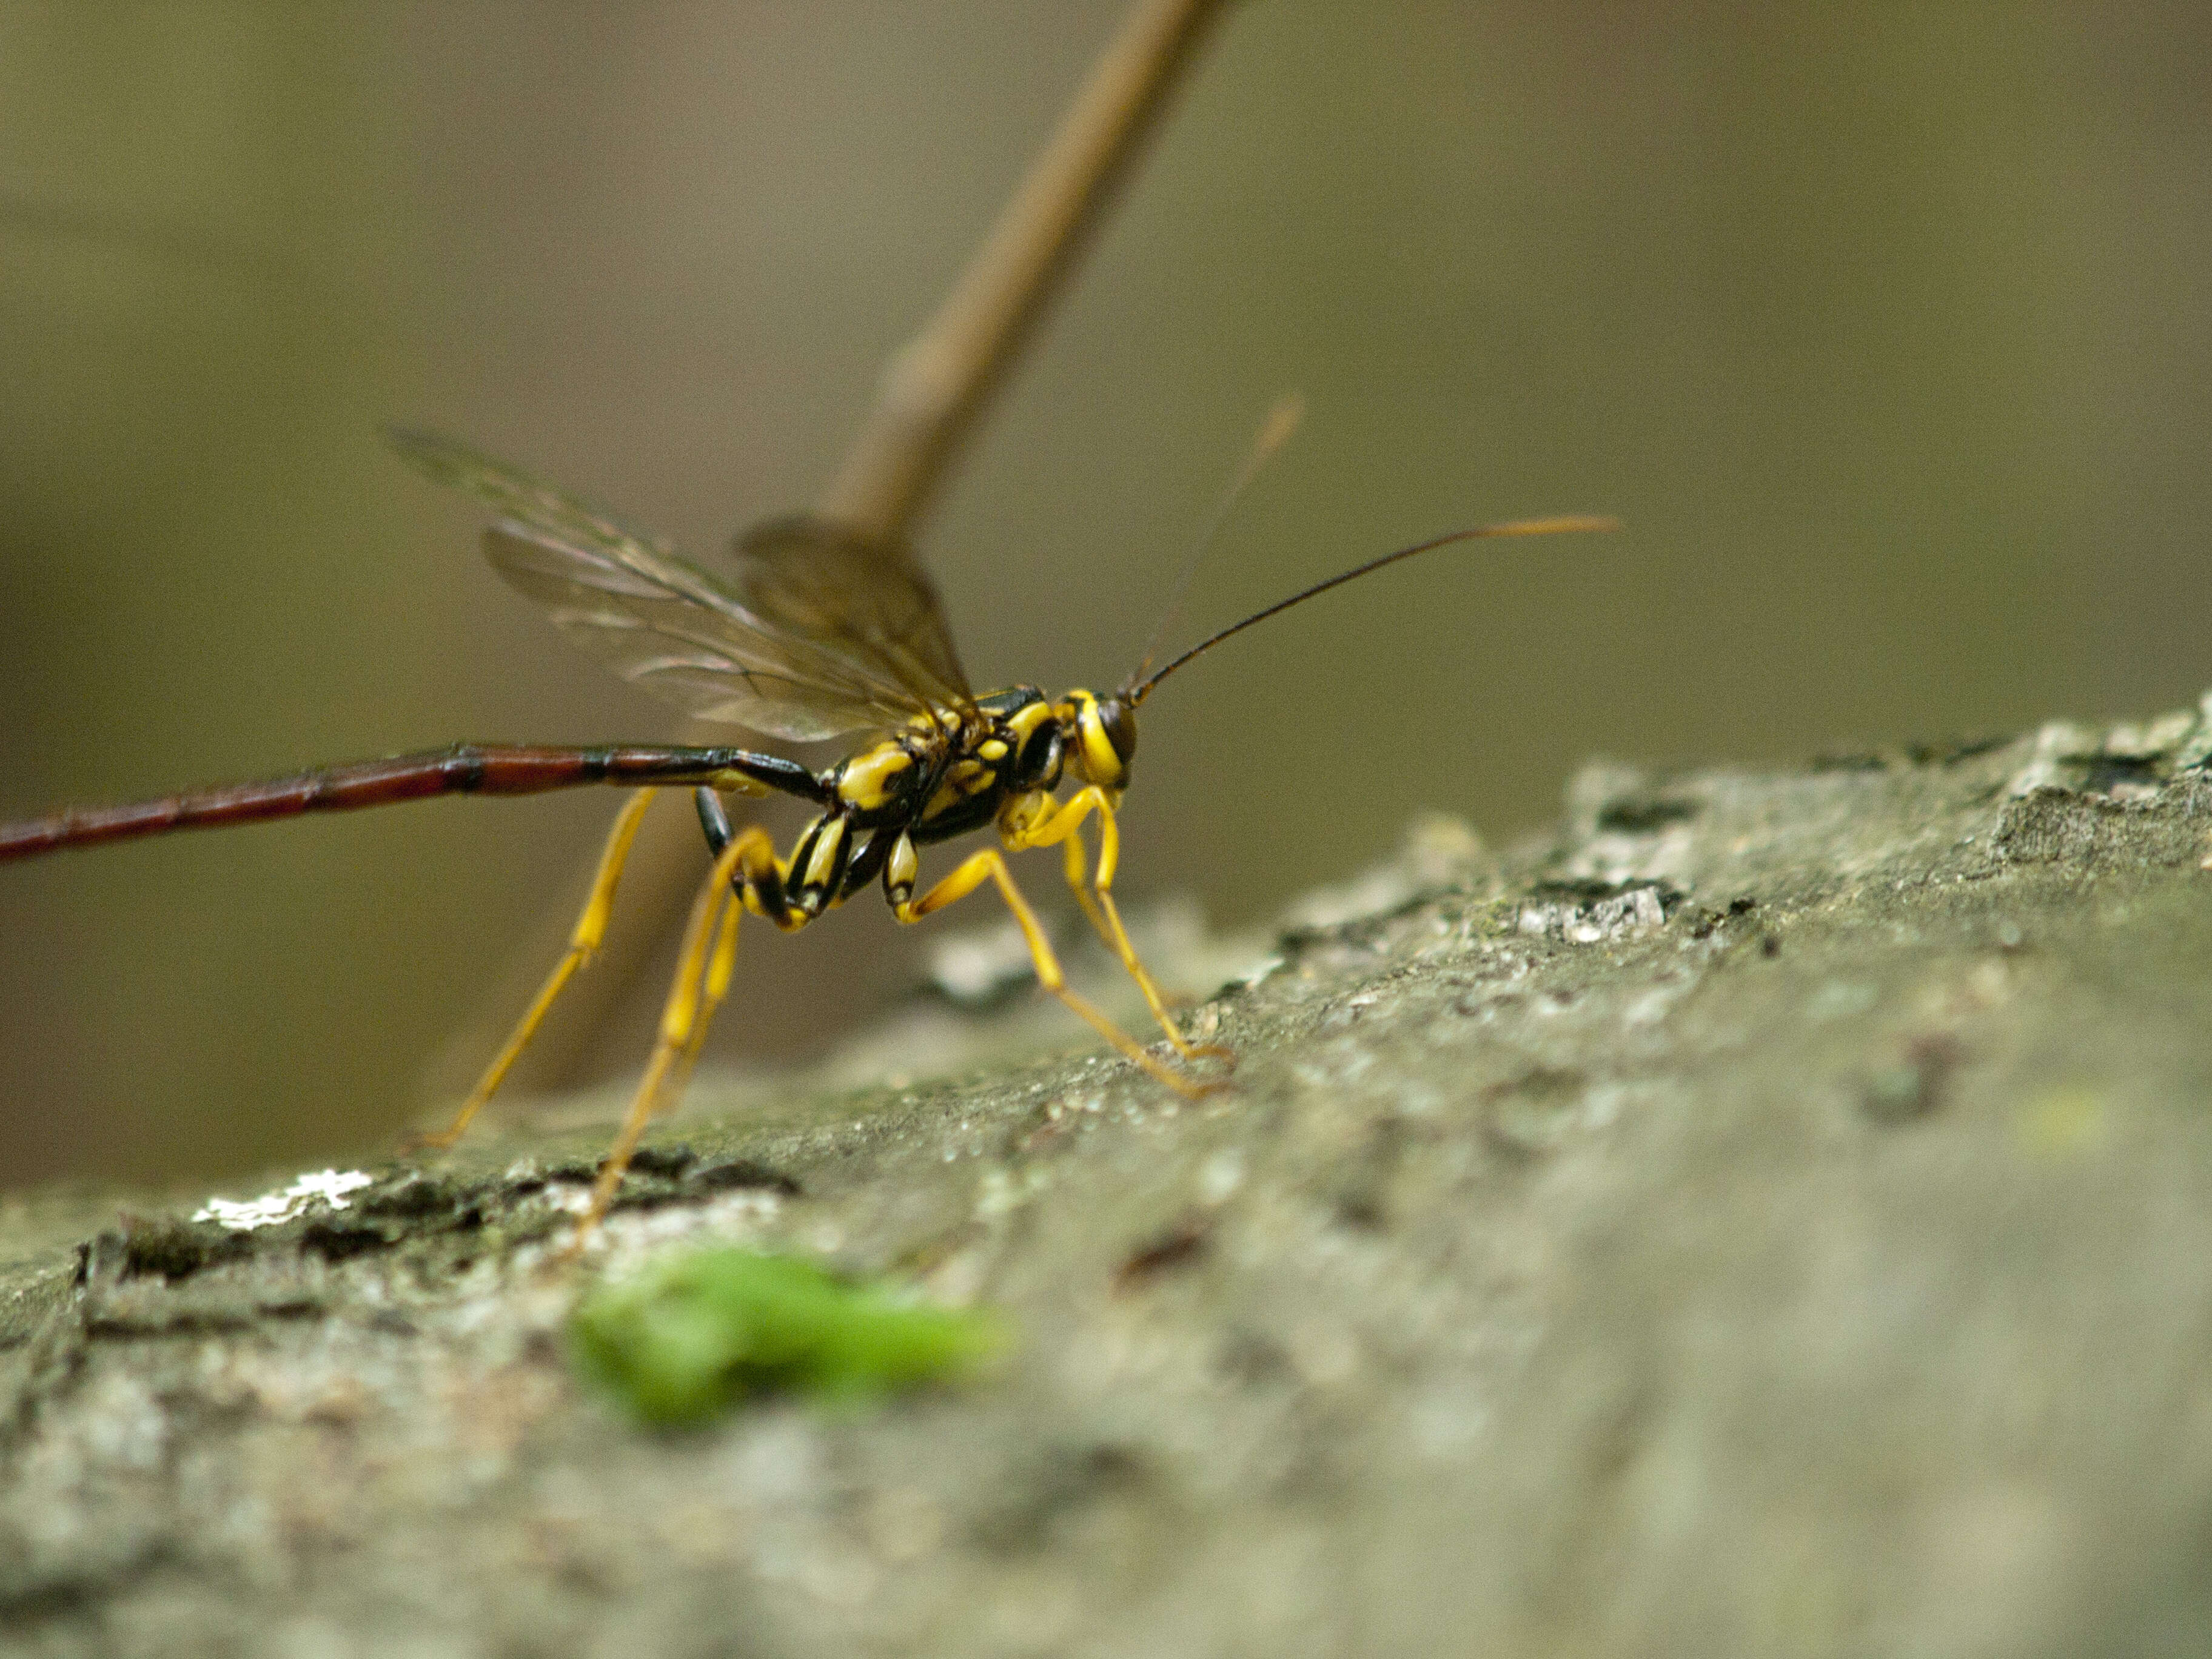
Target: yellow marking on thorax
970 777
991 749
945 720
1024 720
867 778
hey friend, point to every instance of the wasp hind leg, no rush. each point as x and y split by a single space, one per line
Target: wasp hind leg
703 967
990 865
583 944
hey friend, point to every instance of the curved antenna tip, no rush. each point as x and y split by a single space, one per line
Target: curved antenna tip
1573 522
1138 686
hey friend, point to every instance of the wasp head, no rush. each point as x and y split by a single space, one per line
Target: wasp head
1102 736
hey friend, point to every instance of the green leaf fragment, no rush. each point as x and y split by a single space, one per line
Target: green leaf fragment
698 1331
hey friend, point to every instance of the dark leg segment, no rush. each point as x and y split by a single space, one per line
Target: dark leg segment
762 883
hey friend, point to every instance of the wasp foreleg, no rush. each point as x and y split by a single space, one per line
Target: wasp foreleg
990 865
1064 824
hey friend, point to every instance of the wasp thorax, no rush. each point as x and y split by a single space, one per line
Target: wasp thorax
1028 748
1105 733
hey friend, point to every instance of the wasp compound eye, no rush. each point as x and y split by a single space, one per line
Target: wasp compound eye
1105 735
1120 722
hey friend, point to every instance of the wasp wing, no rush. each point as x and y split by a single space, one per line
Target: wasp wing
652 627
868 601
660 622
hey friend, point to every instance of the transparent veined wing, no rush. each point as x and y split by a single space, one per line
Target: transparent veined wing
662 639
662 624
870 601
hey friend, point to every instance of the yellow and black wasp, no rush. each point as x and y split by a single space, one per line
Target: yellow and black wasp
815 633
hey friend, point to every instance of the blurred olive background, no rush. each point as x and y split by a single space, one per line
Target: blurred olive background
1884 328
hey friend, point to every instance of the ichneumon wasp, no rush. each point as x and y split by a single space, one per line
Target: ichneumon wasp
815 633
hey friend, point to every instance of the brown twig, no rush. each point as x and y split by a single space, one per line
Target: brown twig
936 385
928 400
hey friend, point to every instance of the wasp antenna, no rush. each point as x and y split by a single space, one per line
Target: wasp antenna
1138 689
1283 421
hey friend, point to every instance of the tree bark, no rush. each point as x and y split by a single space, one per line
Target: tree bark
1771 1214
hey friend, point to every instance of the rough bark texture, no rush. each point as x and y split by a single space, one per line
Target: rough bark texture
1773 1216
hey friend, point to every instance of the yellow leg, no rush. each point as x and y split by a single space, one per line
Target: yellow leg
1064 825
583 944
990 865
1076 862
719 968
702 978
